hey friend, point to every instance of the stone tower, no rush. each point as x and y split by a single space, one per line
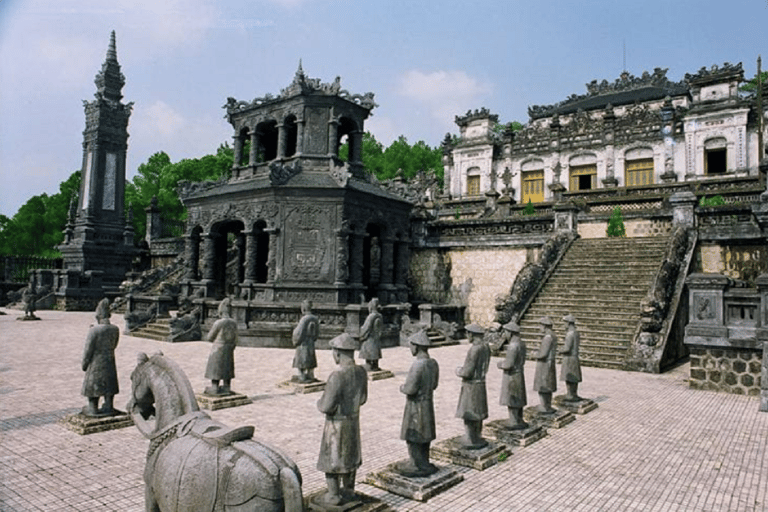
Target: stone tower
98 238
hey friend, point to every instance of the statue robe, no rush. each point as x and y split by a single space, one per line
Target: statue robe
513 392
370 335
99 361
221 361
473 400
304 337
545 378
419 415
570 371
345 391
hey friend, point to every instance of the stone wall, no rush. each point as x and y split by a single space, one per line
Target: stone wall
634 228
744 262
725 369
439 275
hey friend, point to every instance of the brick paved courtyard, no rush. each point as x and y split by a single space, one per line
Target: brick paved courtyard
653 444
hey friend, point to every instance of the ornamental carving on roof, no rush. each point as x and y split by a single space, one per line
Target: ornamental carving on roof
715 73
482 113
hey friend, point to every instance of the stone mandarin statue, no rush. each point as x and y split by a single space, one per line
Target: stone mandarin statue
418 428
304 338
99 364
545 378
370 336
30 302
340 451
221 361
570 371
513 394
473 400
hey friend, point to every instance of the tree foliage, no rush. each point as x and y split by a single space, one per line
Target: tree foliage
399 158
159 177
751 85
38 227
616 224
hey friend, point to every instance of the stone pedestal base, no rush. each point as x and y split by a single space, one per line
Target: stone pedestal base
27 318
582 406
420 489
214 403
763 400
302 388
363 503
380 374
557 419
520 437
451 451
84 425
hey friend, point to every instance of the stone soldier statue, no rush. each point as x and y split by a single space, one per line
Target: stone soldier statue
304 338
473 400
345 391
545 378
570 371
418 428
30 302
221 361
99 364
370 336
513 394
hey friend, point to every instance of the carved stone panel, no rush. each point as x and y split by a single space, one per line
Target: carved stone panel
316 131
310 234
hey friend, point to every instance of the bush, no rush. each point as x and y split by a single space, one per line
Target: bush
616 224
529 209
712 201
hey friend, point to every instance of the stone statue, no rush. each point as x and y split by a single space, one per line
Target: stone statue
544 380
570 371
304 338
99 364
30 303
473 400
513 394
370 336
196 463
418 428
221 361
340 453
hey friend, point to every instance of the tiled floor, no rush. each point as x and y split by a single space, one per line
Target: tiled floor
652 445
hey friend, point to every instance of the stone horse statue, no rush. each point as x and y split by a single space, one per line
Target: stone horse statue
196 464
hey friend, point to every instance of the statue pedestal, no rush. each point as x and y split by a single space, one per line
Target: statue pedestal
379 374
518 437
414 488
363 503
214 403
27 318
452 451
557 419
84 425
302 388
582 406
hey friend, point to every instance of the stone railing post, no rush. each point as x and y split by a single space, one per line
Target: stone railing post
762 337
565 217
683 204
154 222
706 319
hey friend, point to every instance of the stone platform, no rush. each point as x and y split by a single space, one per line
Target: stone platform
364 503
582 406
84 425
453 452
379 374
518 437
419 489
214 403
302 388
557 419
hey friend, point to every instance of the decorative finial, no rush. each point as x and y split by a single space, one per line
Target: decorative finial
112 50
300 71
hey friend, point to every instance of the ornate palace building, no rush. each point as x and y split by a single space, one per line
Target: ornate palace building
634 132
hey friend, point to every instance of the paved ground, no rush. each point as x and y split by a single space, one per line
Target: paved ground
653 444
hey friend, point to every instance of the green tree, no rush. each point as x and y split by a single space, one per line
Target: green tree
751 85
616 224
529 209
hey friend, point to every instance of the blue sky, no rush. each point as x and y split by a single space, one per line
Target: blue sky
426 61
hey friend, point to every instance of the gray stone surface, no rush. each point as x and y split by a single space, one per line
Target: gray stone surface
581 406
612 459
556 419
214 403
84 425
453 451
514 437
414 488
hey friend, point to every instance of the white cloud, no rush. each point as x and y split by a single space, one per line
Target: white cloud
383 128
444 94
159 120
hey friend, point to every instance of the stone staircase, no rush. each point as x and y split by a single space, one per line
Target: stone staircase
601 282
158 329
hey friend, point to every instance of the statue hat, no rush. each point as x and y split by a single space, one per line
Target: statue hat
511 327
475 329
102 309
545 320
345 341
569 318
421 339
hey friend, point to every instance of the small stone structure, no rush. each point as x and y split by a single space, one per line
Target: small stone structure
726 333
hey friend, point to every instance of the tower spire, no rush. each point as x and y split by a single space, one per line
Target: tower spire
110 81
112 50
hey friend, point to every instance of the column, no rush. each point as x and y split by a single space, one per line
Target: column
342 257
273 271
253 156
355 147
251 249
333 137
238 148
401 265
240 245
192 243
387 261
281 141
299 136
209 256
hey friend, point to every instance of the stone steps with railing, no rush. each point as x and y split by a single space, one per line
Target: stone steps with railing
601 282
158 329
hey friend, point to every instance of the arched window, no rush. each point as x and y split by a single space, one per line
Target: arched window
583 172
473 181
291 134
346 128
715 153
532 181
267 131
638 167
